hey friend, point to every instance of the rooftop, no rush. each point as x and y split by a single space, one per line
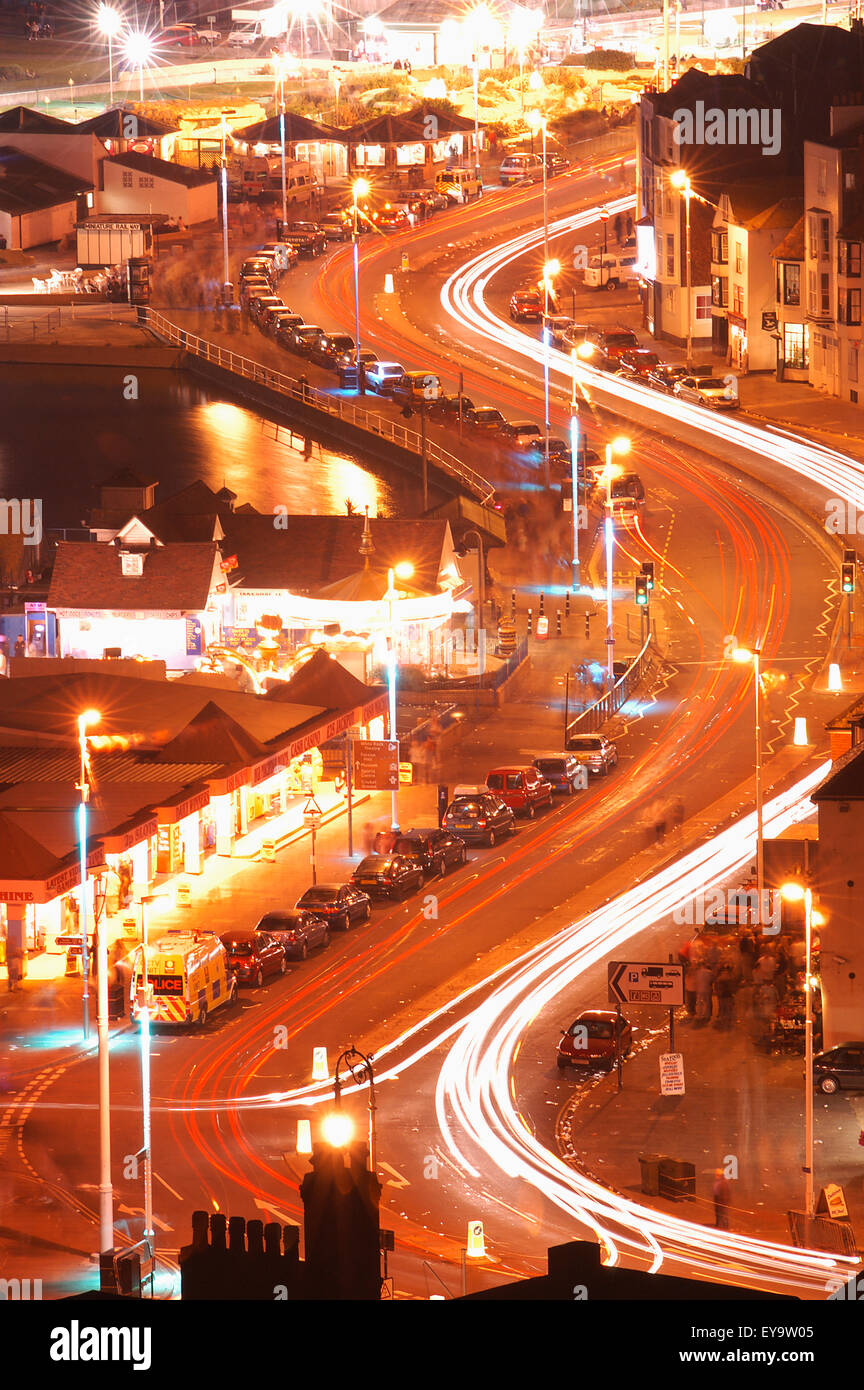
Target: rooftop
176 577
29 185
163 169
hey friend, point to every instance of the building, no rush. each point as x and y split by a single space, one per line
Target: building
750 222
38 202
154 601
76 151
840 893
833 237
139 183
805 71
123 131
793 330
711 168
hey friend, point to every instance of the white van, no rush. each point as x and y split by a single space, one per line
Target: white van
260 176
609 271
245 35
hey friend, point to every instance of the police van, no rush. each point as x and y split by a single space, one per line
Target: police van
187 976
460 185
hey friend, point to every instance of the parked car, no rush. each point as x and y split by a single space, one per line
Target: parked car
303 337
558 448
413 387
260 302
526 306
448 407
327 348
610 271
523 789
458 185
478 815
256 284
576 335
556 164
273 315
638 362
391 219
486 418
381 376
177 36
708 391
253 955
307 238
435 850
664 376
521 433
340 904
592 1040
297 930
562 771
256 265
840 1068
349 358
339 226
557 326
388 875
598 753
612 341
520 168
284 327
209 37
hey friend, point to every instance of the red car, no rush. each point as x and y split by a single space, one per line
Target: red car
526 306
590 1041
253 955
523 789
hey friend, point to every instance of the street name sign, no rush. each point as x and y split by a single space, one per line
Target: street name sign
641 982
376 765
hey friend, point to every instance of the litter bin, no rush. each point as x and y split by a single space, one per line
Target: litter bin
677 1178
650 1165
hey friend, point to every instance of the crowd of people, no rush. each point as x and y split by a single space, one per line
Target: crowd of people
753 979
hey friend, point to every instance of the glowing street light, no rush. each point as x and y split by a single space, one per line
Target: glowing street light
524 27
403 570
798 892
109 22
338 1129
619 445
681 181
86 720
359 189
139 50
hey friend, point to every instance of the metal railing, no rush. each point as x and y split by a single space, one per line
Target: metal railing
596 715
23 325
306 394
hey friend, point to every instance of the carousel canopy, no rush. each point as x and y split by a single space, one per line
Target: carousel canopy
322 679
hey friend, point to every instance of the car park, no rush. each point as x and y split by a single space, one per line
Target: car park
594 1039
328 347
341 904
562 771
526 306
522 434
297 930
388 875
598 753
307 238
520 168
707 391
478 814
638 362
523 789
435 850
253 955
303 337
413 387
381 376
839 1068
485 418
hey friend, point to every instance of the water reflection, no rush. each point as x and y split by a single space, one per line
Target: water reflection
65 429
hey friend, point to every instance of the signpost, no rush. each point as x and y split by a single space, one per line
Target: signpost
376 764
645 982
312 819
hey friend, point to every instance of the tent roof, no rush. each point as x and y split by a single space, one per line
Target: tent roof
322 680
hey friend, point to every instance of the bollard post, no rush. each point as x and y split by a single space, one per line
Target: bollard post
587 625
512 603
542 598
530 621
558 623
567 604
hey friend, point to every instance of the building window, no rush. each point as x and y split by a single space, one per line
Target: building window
738 300
825 237
720 248
739 258
853 363
145 181
824 295
670 255
703 306
812 235
821 177
849 306
790 283
795 345
720 291
811 292
127 179
849 258
670 300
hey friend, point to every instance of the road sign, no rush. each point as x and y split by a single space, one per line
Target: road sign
638 982
671 1074
312 819
376 765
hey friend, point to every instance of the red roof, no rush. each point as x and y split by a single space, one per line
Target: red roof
176 577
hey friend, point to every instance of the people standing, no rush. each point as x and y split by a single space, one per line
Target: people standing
722 1194
14 964
724 988
704 984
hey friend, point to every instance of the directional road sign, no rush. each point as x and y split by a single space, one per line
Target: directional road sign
639 982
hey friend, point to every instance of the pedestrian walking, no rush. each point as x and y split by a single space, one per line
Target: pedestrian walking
14 963
746 955
704 984
722 1194
367 837
618 225
690 972
724 989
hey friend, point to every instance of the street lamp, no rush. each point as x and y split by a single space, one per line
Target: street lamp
224 176
280 78
360 1067
575 355
550 270
481 606
621 445
143 1011
403 570
86 720
139 51
109 23
359 189
604 218
796 892
681 181
744 656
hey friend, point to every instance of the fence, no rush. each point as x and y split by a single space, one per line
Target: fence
305 394
27 326
596 715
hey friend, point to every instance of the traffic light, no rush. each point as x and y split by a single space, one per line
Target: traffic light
648 571
848 577
642 590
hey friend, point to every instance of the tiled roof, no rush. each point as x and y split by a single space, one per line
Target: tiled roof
306 553
791 248
176 576
297 127
213 734
163 169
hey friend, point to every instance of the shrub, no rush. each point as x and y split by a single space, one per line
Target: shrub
603 60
